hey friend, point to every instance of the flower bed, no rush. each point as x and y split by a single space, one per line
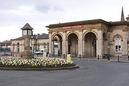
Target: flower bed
34 63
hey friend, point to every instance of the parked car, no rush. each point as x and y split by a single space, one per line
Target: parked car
38 53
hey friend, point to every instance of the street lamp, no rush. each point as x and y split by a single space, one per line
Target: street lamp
35 38
26 34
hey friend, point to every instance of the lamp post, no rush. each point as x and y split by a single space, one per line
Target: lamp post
27 33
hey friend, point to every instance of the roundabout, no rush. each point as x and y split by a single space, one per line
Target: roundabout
36 64
90 73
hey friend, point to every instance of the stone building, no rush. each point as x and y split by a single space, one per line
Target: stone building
89 38
38 43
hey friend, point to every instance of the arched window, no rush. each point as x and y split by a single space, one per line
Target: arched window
117 43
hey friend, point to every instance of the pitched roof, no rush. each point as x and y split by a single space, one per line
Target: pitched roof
39 36
27 27
19 38
42 36
95 21
119 23
78 23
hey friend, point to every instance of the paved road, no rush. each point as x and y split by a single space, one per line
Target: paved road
90 73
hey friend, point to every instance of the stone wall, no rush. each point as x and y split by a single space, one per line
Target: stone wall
123 32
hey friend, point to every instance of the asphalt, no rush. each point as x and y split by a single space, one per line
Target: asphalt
92 72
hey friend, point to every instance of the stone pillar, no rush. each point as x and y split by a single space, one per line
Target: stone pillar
27 52
83 47
50 45
80 45
59 46
99 46
64 47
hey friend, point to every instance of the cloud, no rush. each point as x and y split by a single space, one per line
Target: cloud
42 8
40 13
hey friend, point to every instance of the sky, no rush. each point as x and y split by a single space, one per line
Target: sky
14 14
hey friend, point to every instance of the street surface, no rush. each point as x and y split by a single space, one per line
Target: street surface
90 73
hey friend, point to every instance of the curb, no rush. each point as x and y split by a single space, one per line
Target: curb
38 69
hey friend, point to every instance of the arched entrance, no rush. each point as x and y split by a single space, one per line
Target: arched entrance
90 45
73 44
57 45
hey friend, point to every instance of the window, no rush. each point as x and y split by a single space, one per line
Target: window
117 43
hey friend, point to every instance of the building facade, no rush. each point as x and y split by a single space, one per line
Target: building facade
38 44
90 38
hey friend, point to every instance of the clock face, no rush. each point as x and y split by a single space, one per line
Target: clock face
24 32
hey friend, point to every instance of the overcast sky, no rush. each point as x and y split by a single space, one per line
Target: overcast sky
14 14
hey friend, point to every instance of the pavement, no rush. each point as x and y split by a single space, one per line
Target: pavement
92 72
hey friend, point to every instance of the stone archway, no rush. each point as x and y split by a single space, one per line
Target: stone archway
90 45
73 44
57 45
